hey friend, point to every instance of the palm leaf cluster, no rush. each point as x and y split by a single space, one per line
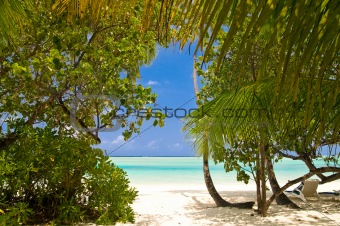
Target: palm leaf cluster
11 20
306 33
249 112
118 10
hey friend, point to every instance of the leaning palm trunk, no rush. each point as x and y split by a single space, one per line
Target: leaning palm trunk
219 201
210 184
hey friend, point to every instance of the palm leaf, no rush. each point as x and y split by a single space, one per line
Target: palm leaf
307 33
12 18
280 125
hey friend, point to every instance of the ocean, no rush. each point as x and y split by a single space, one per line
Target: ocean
177 172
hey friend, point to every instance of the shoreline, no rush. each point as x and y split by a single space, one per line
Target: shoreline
185 205
225 187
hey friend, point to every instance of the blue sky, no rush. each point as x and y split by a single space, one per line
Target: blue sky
170 77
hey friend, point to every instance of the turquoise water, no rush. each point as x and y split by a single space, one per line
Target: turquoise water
178 171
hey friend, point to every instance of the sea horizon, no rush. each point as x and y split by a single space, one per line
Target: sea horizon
177 172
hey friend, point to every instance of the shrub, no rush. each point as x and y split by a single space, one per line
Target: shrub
49 177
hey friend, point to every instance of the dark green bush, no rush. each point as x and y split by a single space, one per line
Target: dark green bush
46 177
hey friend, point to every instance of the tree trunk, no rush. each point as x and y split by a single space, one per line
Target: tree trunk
263 158
282 199
258 182
220 202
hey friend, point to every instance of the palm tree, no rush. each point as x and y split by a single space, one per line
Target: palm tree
203 149
258 129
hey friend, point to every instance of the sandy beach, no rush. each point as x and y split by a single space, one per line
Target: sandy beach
182 205
172 192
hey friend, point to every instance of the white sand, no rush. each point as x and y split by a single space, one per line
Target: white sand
183 205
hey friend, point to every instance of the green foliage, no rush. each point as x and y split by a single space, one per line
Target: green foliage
59 76
277 24
14 214
70 212
55 63
61 178
240 106
12 16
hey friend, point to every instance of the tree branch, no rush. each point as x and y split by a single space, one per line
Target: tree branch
289 156
81 122
287 185
12 137
311 166
76 64
304 177
330 178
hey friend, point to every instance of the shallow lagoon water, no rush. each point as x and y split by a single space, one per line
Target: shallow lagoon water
183 171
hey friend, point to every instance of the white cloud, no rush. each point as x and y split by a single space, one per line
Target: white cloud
153 83
105 141
152 144
177 146
118 140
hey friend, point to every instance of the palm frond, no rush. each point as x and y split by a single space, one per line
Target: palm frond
250 111
12 17
306 32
